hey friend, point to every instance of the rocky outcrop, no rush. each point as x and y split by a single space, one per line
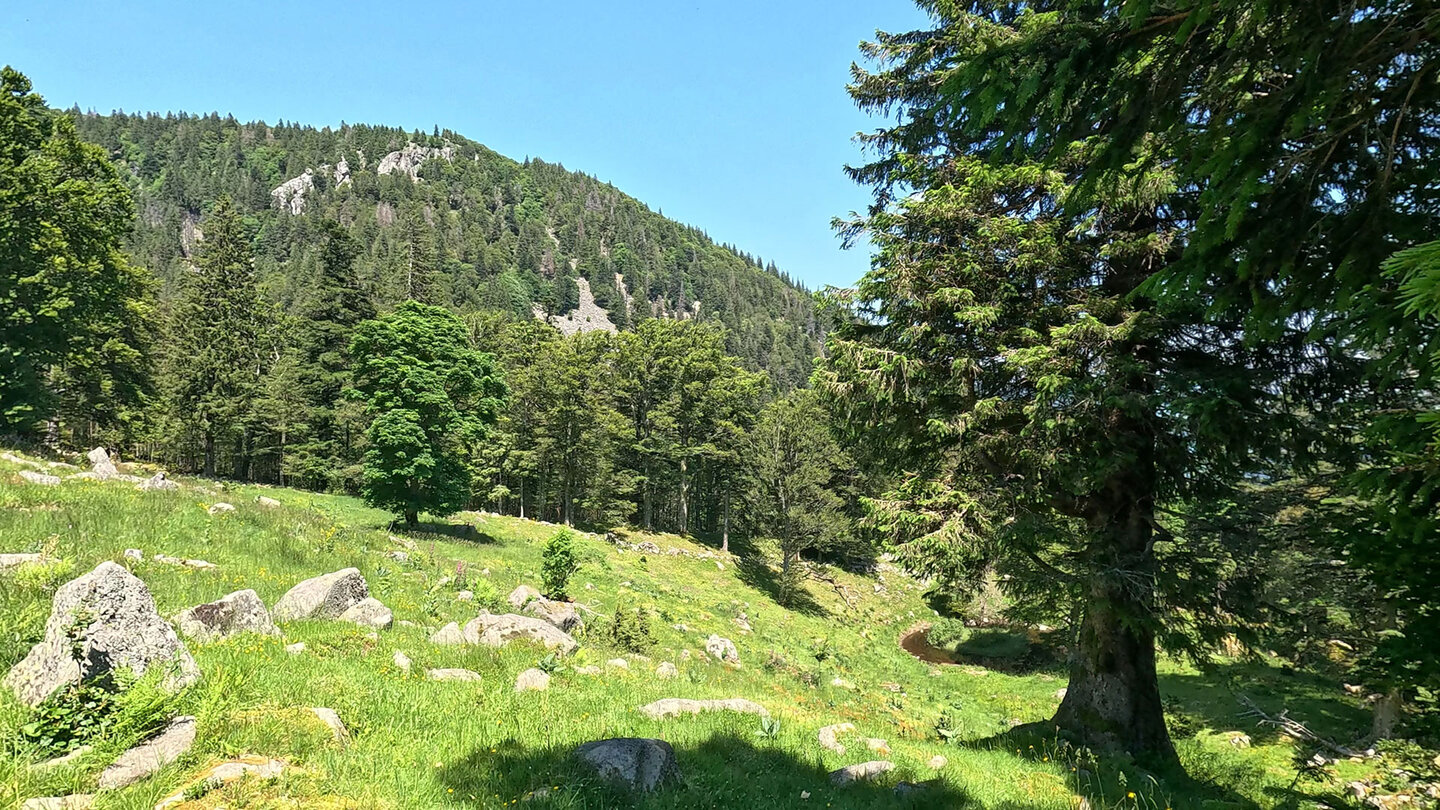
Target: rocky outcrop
861 772
342 173
675 707
101 622
722 649
101 465
411 158
239 612
323 597
144 760
562 615
448 635
588 316
290 195
640 764
498 630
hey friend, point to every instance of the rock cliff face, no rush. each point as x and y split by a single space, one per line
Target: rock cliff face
587 317
290 195
411 158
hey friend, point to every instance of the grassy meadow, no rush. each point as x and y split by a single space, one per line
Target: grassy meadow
420 744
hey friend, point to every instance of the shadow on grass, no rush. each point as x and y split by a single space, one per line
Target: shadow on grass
1211 699
1115 780
753 570
723 771
433 530
1011 651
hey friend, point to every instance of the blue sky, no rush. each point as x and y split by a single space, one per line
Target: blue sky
729 116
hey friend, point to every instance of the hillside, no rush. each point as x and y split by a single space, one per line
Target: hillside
417 743
442 218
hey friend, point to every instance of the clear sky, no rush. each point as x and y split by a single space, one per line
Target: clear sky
732 116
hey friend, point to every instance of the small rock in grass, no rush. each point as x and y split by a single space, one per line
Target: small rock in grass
465 596
41 479
618 663
666 670
220 508
829 736
158 482
841 683
398 556
519 597
861 772
267 502
908 789
1060 693
369 612
101 465
532 680
448 635
640 764
75 801
878 745
722 648
587 670
146 759
402 661
222 774
134 555
9 561
674 707
296 648
937 762
1239 739
452 675
333 722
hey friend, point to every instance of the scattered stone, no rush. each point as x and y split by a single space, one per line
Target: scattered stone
498 630
452 675
1060 693
532 680
267 502
75 801
465 596
183 563
398 556
878 745
648 547
220 508
332 721
862 772
99 622
829 736
522 595
11 561
296 648
144 760
674 707
158 482
719 566
588 670
43 479
618 663
402 662
218 776
450 634
905 790
407 623
722 648
369 612
641 764
101 467
404 542
323 597
562 615
937 762
841 683
60 762
134 555
1238 739
239 612
666 671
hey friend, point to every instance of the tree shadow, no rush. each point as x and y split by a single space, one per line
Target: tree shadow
756 572
1010 650
722 771
1211 699
434 530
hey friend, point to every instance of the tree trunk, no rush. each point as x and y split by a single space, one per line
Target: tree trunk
412 519
648 500
1387 716
725 526
209 463
684 496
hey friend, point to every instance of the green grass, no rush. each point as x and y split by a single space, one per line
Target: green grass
419 744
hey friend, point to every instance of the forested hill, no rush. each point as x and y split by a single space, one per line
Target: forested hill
442 218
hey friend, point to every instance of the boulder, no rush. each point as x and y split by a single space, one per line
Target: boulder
267 502
674 707
296 648
532 680
498 630
369 612
878 745
333 722
220 508
158 483
937 762
448 635
829 736
221 774
101 466
861 772
637 763
60 762
239 612
618 663
452 675
402 661
10 561
183 563
323 597
43 479
587 670
722 649
144 760
76 801
398 556
102 621
562 615
521 595
666 671
465 596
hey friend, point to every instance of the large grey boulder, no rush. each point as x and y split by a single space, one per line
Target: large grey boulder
101 466
99 622
640 764
369 612
722 649
498 630
674 707
323 597
239 612
158 482
144 760
562 615
861 772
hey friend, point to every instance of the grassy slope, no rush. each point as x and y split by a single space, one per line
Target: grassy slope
422 744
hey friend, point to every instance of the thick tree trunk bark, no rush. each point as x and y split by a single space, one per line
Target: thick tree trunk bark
725 531
684 497
1387 716
412 519
209 462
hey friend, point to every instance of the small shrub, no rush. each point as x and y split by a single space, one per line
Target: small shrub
44 575
948 632
558 563
71 716
630 630
769 727
550 664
